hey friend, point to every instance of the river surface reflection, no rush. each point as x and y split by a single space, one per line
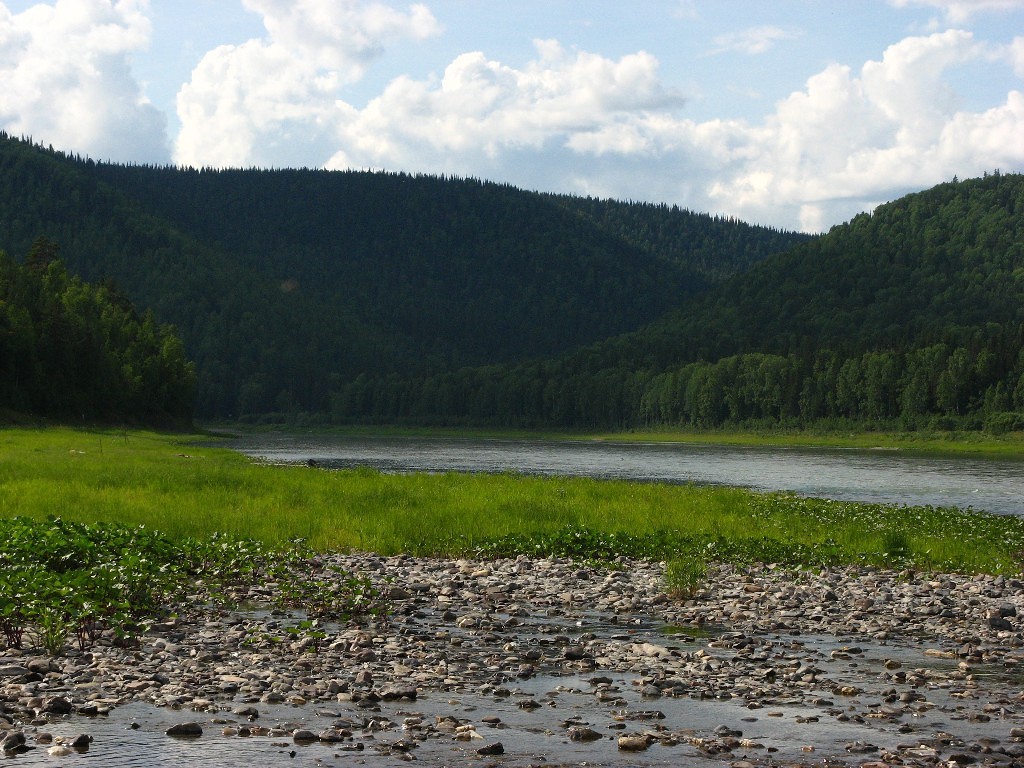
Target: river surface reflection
890 477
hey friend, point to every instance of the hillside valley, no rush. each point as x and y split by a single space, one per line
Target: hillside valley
357 297
287 285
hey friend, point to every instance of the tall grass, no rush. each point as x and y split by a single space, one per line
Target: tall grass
187 486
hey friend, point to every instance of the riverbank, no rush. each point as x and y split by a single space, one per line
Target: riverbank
924 442
560 661
1010 445
186 488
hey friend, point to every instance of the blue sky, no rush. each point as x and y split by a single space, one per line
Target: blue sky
793 113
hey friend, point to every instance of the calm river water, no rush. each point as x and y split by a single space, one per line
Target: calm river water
992 485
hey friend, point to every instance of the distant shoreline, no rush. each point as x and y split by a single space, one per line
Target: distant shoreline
1008 446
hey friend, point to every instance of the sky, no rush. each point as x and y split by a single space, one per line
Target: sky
796 114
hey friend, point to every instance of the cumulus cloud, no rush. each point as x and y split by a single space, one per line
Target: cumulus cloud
481 108
845 140
568 120
341 35
583 123
1016 56
276 101
67 80
255 104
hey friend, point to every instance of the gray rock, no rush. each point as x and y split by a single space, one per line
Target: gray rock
191 729
13 742
56 705
634 743
81 742
398 691
998 622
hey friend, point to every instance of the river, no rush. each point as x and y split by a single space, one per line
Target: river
882 476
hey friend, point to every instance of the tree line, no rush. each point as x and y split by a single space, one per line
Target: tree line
937 386
73 351
285 284
912 316
364 297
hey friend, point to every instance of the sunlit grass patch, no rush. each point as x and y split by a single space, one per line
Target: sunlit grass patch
187 487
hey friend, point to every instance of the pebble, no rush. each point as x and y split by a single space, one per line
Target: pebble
478 627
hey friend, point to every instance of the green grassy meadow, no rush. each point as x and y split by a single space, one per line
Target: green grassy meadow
187 487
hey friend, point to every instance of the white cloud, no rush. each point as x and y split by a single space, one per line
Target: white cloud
67 81
961 11
568 120
685 10
753 41
341 35
845 141
835 147
255 104
1016 55
580 122
480 109
276 102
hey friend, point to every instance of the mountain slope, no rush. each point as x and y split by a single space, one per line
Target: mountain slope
914 312
939 265
286 285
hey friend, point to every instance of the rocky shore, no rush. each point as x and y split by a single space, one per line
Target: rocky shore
544 661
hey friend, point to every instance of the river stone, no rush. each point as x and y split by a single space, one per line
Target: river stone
81 742
57 705
583 733
42 665
997 620
634 743
754 653
185 729
492 749
13 742
333 735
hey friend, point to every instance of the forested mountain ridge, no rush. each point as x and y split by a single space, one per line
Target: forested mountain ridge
940 265
910 315
287 285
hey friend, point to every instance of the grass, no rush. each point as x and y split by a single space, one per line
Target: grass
187 486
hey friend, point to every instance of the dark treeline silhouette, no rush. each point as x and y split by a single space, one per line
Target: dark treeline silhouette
912 316
364 297
288 285
72 352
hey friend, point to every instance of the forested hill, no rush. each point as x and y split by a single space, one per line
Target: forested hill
912 315
288 285
75 352
942 265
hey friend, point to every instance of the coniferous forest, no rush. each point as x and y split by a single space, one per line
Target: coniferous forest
356 297
82 353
